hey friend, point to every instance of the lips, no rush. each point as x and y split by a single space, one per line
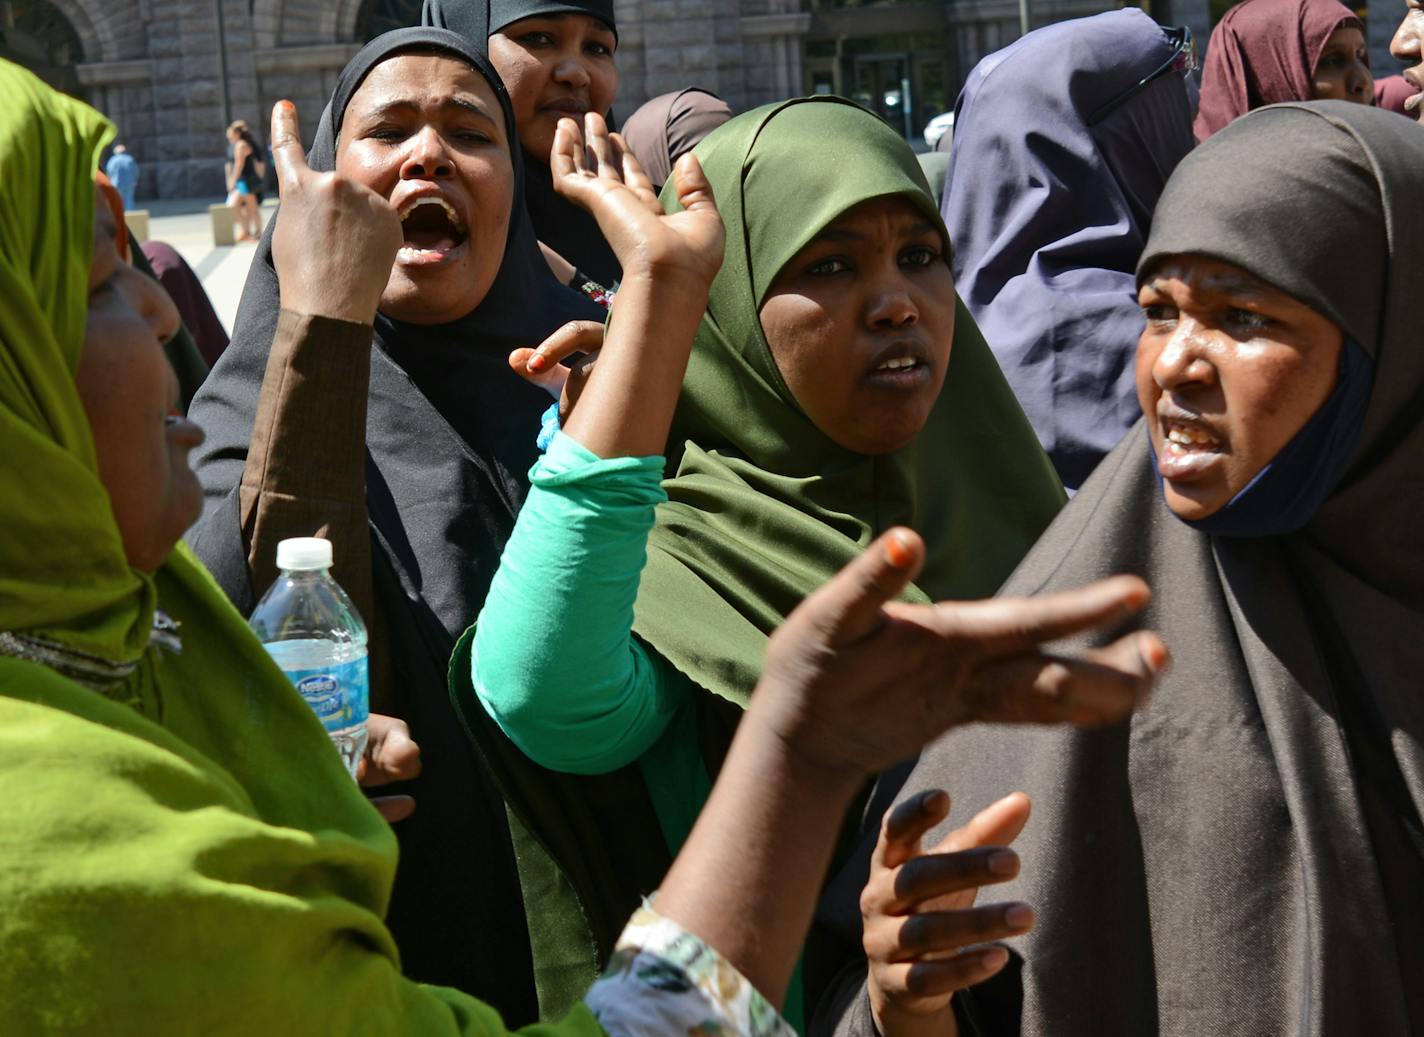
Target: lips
566 106
186 434
1190 446
900 365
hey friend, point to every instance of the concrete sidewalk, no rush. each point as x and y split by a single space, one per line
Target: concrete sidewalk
223 270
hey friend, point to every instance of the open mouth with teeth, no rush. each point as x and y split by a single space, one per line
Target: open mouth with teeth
899 363
1187 438
432 229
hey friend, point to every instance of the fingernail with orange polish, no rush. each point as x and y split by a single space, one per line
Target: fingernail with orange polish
898 551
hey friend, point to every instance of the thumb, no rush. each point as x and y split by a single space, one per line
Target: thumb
286 141
848 607
694 190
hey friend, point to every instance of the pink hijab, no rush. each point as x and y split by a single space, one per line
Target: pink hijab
1264 52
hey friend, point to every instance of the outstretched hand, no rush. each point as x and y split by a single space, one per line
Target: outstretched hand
921 928
855 680
594 170
335 239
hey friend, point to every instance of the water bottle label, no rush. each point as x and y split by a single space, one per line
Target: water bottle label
339 694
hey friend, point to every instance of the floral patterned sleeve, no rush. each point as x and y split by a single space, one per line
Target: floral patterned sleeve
662 981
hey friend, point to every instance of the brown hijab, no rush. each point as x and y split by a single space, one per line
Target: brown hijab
668 127
1265 52
1245 856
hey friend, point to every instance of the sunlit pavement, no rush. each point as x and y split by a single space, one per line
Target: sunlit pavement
223 270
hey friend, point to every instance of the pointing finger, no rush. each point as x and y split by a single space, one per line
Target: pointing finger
287 152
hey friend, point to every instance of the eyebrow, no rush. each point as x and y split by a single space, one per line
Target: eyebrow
1225 284
402 104
834 233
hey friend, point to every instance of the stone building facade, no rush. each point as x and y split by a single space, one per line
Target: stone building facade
173 73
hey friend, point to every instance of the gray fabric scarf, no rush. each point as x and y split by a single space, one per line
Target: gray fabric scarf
1243 857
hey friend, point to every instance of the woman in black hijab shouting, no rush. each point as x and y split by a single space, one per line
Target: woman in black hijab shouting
410 456
556 59
1246 855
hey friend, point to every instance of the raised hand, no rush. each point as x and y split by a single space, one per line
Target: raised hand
920 924
335 239
595 171
860 680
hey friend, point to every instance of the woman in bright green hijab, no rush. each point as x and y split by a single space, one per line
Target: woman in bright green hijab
836 388
183 850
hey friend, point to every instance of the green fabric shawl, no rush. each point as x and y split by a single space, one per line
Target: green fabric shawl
763 507
183 850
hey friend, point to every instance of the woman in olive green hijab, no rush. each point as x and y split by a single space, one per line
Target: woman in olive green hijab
835 388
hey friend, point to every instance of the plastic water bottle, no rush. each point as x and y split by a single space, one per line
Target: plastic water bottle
309 626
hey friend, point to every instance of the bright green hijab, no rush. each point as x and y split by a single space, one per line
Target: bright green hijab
63 576
763 507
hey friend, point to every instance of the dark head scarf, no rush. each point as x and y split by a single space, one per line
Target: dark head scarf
199 317
563 226
1245 856
450 434
1265 52
1048 216
668 127
763 507
476 19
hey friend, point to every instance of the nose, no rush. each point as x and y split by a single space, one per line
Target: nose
1405 45
890 305
1183 361
156 306
1364 82
426 157
571 72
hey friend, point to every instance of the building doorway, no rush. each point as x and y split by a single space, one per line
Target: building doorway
35 35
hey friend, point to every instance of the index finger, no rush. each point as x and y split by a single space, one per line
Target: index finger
905 824
1005 626
287 153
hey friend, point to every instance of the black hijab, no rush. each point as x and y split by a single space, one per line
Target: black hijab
563 226
1245 856
450 437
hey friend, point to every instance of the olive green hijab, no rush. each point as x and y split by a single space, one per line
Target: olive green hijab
762 506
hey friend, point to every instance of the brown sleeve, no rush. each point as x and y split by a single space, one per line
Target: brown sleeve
306 466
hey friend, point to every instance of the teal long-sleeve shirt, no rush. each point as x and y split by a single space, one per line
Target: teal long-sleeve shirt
555 662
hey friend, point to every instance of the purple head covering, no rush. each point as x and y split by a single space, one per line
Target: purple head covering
1048 217
668 127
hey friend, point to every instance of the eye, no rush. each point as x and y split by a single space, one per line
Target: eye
387 134
1159 313
826 267
535 39
1249 319
473 137
919 255
601 50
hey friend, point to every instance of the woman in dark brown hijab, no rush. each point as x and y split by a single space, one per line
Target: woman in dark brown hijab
669 126
1271 51
1245 856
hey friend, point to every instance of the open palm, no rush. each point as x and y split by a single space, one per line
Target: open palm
594 170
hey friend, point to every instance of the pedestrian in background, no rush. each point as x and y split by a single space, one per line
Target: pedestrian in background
244 171
122 171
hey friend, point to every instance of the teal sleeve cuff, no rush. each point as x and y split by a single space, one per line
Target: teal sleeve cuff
554 662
